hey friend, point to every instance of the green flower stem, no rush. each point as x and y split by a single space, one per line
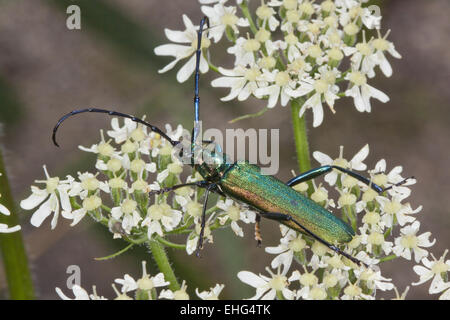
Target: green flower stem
246 13
107 209
342 77
74 203
188 223
116 253
301 140
160 256
230 34
280 295
250 115
388 258
349 212
170 244
213 67
12 247
387 233
143 238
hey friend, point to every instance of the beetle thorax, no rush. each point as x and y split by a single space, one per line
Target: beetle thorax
212 164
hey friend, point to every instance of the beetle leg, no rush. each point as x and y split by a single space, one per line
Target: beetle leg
285 217
203 222
200 184
258 237
313 173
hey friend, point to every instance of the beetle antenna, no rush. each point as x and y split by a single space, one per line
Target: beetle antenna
111 113
198 54
399 183
197 66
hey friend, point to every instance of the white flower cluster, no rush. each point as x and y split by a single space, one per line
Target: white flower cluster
133 164
4 227
438 271
130 166
309 51
145 288
386 228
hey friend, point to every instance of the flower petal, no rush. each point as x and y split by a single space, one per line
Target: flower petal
251 279
34 199
187 70
4 210
43 212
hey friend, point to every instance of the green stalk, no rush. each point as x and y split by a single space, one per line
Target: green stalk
160 256
246 13
170 244
388 258
280 295
349 212
12 247
301 140
250 115
213 67
116 253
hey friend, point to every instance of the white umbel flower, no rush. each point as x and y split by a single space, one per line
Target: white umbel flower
212 294
322 88
79 293
355 292
234 213
356 163
432 269
89 204
221 17
121 134
159 216
383 179
179 294
381 45
128 213
394 210
267 287
267 15
244 51
308 281
180 52
145 283
52 197
103 148
409 241
127 283
241 80
442 286
282 87
291 243
374 280
88 183
362 92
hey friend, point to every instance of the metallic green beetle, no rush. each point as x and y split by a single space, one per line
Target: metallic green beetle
243 181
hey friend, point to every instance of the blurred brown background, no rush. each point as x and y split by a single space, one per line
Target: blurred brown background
47 70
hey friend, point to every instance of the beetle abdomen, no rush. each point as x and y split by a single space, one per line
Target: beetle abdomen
245 182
